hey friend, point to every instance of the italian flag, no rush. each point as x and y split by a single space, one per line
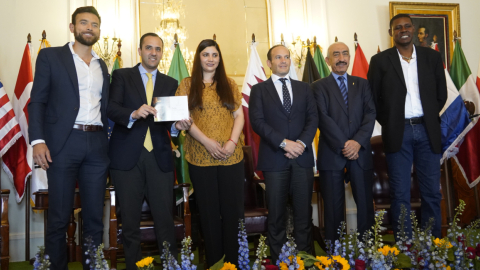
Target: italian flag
468 156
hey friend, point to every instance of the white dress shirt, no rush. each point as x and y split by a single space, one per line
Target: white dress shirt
278 85
413 104
90 83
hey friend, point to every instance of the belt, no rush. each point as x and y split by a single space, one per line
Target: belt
88 127
414 121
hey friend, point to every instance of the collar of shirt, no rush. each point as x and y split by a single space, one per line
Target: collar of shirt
276 78
70 45
143 73
414 55
335 75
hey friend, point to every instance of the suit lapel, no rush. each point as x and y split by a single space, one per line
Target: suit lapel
393 55
274 94
352 93
137 81
71 70
337 93
295 95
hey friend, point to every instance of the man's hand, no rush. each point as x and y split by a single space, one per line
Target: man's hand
214 148
289 156
41 155
144 111
350 150
294 149
184 124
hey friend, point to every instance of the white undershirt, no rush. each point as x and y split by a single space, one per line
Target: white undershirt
413 103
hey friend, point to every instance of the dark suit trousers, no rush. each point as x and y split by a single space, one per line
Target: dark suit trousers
332 188
145 180
219 195
297 182
83 158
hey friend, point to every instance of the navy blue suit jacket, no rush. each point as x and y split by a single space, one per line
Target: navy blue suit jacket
127 94
272 123
338 124
55 98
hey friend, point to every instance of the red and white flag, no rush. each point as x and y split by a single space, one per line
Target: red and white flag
254 74
17 161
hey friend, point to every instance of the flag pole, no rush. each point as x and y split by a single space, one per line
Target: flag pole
355 40
27 198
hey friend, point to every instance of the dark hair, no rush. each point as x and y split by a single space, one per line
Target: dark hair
149 35
426 29
401 15
224 91
86 9
269 53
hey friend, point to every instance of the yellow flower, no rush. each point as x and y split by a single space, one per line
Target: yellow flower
442 243
144 262
340 263
228 266
385 250
283 266
301 264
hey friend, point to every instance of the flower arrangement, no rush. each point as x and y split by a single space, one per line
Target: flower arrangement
145 263
96 259
243 247
42 260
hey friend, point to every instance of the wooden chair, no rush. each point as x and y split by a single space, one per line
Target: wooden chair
256 212
4 230
381 186
182 220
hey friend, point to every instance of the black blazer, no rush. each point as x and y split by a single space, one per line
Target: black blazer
338 125
385 76
55 98
127 94
273 124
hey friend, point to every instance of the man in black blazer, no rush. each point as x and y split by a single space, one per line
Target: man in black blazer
346 117
140 151
409 89
68 120
283 113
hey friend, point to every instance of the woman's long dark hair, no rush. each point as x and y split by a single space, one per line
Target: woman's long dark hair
224 91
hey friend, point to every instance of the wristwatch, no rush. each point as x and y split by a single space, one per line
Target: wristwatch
283 144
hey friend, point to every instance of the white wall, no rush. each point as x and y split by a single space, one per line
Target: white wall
323 18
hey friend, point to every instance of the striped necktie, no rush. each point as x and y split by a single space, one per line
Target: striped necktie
148 144
343 90
287 102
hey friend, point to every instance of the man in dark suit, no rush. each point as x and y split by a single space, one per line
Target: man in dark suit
346 117
284 115
140 151
67 116
409 89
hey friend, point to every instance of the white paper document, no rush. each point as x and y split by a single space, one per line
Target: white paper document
171 108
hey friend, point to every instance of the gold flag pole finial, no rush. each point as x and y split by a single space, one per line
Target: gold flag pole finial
44 35
378 49
29 38
336 39
214 37
176 39
253 38
314 42
119 45
281 39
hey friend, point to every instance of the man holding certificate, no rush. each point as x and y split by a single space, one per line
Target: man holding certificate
140 151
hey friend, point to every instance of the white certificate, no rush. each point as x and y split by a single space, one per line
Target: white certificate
171 108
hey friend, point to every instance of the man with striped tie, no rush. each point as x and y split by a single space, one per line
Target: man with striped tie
346 114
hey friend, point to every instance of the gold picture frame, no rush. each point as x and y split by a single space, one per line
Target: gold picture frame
434 24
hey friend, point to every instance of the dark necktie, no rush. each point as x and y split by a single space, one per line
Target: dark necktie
343 90
287 102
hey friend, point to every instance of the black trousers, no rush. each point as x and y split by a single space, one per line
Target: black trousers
83 158
145 180
297 182
332 188
220 200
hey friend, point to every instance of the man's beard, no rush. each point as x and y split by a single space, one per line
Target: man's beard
79 38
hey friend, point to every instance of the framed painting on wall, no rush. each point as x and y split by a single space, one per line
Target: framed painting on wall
434 25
